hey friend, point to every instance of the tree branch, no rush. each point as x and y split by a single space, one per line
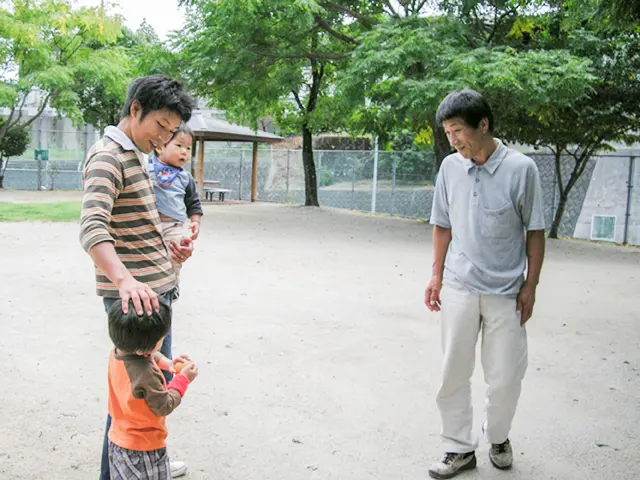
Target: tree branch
340 36
496 22
40 110
297 97
300 56
334 7
392 11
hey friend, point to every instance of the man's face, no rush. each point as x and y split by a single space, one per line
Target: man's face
154 130
466 140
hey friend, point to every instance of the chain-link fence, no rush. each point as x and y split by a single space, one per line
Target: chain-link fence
602 204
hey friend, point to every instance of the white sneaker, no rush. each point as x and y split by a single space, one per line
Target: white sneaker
178 469
501 455
452 464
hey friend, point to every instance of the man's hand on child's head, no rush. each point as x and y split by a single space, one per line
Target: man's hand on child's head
195 230
190 371
144 299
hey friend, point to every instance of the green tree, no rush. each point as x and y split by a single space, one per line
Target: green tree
102 91
14 143
44 44
276 57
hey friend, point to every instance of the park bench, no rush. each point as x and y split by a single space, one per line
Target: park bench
210 191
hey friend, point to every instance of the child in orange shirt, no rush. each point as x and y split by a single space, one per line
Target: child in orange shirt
139 397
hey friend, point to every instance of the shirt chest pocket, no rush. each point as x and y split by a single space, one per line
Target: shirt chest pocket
498 223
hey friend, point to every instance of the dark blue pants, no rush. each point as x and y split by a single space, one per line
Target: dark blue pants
166 351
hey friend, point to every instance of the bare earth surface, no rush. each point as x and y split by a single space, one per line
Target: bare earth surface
317 357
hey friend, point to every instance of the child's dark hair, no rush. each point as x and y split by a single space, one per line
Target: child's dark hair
157 92
466 104
132 333
183 128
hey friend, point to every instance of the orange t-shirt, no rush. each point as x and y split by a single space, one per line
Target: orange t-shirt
139 401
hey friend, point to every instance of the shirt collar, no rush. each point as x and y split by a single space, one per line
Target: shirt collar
494 161
118 136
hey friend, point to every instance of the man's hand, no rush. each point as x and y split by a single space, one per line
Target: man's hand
181 252
195 230
144 299
432 294
525 301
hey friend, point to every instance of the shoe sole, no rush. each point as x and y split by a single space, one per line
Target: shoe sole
469 466
508 467
181 472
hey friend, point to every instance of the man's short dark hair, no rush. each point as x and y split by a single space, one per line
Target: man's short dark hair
131 333
466 104
157 92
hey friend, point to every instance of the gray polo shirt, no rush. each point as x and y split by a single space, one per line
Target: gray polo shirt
488 208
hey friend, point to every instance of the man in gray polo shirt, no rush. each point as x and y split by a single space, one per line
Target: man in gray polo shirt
488 226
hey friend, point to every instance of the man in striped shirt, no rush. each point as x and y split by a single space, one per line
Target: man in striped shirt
120 225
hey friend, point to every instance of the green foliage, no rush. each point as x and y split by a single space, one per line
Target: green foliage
44 45
14 143
326 177
40 212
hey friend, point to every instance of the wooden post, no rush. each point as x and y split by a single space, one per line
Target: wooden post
194 148
201 168
254 173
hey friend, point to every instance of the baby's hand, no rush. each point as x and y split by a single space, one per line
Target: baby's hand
190 371
195 230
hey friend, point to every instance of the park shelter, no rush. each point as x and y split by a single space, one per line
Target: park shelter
209 129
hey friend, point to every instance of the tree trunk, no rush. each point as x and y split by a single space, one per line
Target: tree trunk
579 166
557 219
441 145
3 168
310 181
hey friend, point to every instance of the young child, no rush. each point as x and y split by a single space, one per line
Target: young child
177 198
139 398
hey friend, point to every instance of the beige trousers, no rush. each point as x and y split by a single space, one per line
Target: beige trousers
172 231
504 361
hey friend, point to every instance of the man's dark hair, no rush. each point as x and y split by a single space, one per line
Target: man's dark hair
131 333
157 92
466 104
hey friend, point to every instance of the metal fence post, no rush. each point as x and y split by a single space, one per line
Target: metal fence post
374 182
286 198
353 183
628 209
38 161
240 176
393 182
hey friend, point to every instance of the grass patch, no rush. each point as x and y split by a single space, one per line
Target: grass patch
40 212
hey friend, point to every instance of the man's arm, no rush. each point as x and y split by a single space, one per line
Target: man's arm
535 257
441 241
102 183
532 211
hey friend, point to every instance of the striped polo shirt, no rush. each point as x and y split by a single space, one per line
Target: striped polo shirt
119 206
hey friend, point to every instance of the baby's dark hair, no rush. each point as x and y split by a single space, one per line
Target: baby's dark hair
183 128
132 333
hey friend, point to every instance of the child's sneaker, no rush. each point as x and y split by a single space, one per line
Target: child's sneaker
178 469
452 464
501 455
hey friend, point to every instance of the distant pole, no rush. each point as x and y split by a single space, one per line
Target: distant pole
628 212
240 174
374 185
254 173
38 161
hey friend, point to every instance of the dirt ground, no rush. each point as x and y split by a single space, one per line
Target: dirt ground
317 358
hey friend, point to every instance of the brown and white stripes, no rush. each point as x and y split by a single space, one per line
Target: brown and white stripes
119 206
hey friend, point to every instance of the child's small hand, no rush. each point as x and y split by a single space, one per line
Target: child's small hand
190 371
195 230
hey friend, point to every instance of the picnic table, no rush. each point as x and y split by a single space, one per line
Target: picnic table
210 189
